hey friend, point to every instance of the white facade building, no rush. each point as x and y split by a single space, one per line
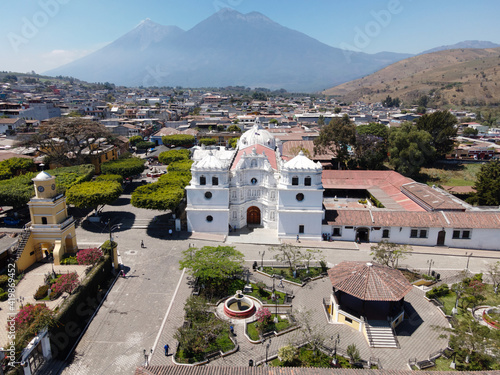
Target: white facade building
253 186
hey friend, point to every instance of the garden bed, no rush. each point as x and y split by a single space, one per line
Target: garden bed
309 358
301 275
276 328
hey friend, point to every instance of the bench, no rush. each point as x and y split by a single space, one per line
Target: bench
212 355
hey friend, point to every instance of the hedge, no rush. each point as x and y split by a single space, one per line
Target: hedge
78 308
180 166
15 166
184 140
207 141
94 194
167 157
157 197
110 177
145 145
124 167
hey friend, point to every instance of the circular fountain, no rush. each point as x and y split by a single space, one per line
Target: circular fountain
239 306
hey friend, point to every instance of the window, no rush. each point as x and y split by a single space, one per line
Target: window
301 229
307 181
461 234
235 215
210 218
44 220
203 180
253 164
208 195
336 232
253 181
418 233
295 180
385 233
300 197
348 320
215 181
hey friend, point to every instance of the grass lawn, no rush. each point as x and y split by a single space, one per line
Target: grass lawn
450 175
449 300
442 364
299 276
282 324
307 358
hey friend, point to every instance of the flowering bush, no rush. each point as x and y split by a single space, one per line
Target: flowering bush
33 318
89 256
264 318
66 283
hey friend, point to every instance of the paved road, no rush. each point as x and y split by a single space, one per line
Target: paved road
132 316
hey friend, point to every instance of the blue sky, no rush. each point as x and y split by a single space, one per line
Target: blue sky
43 34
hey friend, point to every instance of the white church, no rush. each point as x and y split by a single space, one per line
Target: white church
253 186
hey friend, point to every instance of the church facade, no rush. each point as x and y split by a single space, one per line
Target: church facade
254 186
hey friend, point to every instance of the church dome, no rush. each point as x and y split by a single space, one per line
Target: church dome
257 136
302 162
42 176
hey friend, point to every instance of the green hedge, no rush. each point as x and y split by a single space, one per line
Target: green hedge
180 166
184 140
207 141
110 177
157 197
124 167
15 166
168 157
145 145
77 310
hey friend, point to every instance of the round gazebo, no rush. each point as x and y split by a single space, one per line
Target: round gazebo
364 291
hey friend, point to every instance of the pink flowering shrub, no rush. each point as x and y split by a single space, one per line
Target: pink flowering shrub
89 256
32 318
66 283
264 318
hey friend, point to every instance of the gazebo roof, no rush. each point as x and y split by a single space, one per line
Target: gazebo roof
369 281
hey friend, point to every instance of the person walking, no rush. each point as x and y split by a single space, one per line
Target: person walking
142 244
298 238
166 349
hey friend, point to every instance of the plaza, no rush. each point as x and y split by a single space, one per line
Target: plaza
143 310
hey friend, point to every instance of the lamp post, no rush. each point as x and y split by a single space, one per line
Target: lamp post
468 259
335 342
111 229
267 349
262 259
430 262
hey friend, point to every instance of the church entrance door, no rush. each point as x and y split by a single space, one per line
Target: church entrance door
253 216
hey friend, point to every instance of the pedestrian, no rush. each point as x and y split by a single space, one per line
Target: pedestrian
166 349
231 328
142 244
281 283
170 232
297 238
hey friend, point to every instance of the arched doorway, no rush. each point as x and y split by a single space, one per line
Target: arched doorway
363 235
253 216
441 238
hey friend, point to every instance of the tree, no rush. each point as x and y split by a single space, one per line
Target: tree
183 140
374 128
487 185
288 354
389 254
494 273
371 151
289 254
126 167
441 125
410 149
233 142
15 166
353 353
234 128
311 333
321 120
144 145
294 151
95 194
390 102
273 121
311 254
135 139
68 282
212 266
468 132
337 137
69 141
337 110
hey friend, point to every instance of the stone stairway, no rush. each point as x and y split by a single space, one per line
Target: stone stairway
381 335
22 243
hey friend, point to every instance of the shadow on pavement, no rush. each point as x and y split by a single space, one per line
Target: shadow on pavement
411 324
126 219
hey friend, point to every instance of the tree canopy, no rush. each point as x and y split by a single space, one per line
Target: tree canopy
234 128
94 194
410 149
389 254
184 140
68 141
207 141
15 166
338 137
213 266
135 139
487 185
441 126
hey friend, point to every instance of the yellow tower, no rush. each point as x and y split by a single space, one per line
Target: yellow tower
51 229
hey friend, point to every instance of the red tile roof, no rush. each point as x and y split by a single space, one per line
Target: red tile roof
270 154
369 281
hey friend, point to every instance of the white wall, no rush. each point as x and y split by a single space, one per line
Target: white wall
289 221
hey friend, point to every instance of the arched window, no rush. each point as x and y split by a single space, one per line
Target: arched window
295 180
44 220
253 164
203 180
307 181
215 181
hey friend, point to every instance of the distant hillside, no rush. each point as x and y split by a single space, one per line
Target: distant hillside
458 77
481 44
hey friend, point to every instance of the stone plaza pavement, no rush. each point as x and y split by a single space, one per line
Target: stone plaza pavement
416 335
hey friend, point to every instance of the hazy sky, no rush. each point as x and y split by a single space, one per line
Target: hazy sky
43 34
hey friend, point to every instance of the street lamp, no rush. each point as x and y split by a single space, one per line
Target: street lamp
275 297
430 262
335 342
262 260
112 228
267 348
468 259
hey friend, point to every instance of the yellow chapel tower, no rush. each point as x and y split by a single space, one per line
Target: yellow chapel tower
51 230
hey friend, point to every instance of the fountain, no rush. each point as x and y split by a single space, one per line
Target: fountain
239 306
